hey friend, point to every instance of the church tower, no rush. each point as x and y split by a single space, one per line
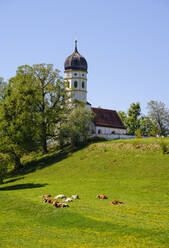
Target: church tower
76 74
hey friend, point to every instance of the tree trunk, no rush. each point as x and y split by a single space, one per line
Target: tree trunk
44 136
45 150
1 180
18 164
44 139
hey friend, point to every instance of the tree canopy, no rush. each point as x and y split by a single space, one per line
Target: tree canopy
33 104
76 129
159 114
17 118
136 123
51 97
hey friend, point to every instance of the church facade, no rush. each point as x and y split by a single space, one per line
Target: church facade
106 121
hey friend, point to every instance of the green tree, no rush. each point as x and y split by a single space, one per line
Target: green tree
51 100
77 127
159 114
123 117
133 118
2 88
17 119
146 126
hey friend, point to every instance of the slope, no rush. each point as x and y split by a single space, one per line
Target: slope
135 172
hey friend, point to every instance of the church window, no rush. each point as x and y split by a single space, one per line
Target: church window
83 85
75 84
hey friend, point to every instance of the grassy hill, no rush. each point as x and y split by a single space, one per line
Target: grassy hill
133 171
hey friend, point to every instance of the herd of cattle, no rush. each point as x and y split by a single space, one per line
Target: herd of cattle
46 198
55 201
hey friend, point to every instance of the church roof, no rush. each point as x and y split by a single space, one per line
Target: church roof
107 118
75 61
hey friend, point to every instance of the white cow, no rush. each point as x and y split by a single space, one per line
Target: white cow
64 205
75 197
68 200
61 196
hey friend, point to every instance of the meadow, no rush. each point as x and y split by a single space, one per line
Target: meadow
133 171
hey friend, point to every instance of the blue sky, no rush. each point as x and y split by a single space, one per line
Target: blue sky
125 42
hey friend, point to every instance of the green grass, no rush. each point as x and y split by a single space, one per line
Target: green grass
133 171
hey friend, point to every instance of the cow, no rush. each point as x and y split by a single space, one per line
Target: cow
64 205
116 202
75 197
52 201
45 196
61 196
45 200
67 199
101 197
60 205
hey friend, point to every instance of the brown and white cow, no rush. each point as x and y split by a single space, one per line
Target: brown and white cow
101 197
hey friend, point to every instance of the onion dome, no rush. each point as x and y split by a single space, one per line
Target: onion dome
75 61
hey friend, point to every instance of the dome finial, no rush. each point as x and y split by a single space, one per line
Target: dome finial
75 45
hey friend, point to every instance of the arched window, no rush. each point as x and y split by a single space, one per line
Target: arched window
75 74
75 84
83 85
82 75
99 131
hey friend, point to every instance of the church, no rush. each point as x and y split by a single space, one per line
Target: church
106 121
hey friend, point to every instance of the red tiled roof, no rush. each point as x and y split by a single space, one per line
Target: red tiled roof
107 118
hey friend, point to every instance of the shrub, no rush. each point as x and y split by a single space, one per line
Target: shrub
163 146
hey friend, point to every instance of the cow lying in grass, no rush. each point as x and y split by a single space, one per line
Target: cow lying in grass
61 196
55 203
116 202
49 201
60 205
101 197
45 196
75 197
67 199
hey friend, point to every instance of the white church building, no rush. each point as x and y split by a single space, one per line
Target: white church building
106 121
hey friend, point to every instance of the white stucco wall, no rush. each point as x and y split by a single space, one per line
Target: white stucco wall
109 130
114 136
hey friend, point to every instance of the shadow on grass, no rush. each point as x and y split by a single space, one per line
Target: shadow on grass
13 180
76 221
23 186
69 220
47 160
38 163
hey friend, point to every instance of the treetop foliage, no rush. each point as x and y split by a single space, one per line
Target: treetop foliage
155 123
159 114
32 104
